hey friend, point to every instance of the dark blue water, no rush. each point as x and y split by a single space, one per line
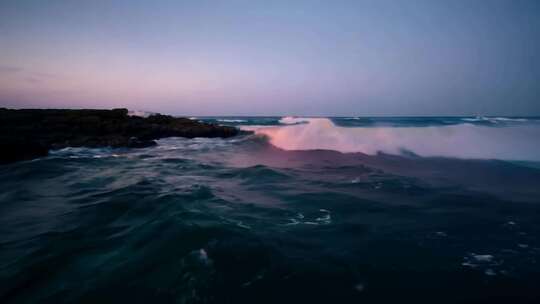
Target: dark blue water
243 221
382 121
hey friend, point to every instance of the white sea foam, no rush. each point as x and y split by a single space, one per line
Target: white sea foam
519 142
356 180
140 113
494 120
485 262
484 258
232 120
291 120
490 272
509 119
324 219
203 255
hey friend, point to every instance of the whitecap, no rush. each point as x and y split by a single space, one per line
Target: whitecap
291 120
325 219
483 258
516 142
469 264
242 225
355 180
202 256
292 222
489 272
232 120
140 113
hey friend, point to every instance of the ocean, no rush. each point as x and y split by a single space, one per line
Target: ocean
298 210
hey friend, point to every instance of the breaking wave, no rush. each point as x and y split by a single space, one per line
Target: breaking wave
232 120
211 220
140 113
519 142
495 120
291 120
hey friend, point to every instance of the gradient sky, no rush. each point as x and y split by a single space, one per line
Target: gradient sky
273 57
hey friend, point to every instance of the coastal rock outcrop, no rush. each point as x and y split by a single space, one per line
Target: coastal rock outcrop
30 133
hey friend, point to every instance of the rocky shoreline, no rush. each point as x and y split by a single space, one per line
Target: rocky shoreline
31 133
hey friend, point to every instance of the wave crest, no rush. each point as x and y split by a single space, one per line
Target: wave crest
462 141
291 120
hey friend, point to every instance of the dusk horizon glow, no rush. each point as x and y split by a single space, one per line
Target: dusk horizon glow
311 58
307 151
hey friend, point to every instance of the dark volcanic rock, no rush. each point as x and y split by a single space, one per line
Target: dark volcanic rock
27 134
14 150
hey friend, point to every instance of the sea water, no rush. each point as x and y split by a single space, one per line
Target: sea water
298 210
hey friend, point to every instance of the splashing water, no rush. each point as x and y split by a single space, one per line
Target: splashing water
461 141
209 220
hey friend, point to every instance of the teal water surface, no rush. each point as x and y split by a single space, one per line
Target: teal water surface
242 221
